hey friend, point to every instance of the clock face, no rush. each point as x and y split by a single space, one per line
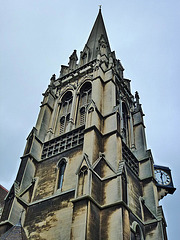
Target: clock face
162 177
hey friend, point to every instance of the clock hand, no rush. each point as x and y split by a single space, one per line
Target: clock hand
162 178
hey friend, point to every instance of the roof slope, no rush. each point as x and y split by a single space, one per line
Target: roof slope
15 233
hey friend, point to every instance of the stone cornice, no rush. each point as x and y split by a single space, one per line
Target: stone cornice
57 194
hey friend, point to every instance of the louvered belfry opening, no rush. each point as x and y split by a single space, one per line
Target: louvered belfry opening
84 101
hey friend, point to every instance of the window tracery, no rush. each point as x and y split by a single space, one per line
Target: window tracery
84 101
65 111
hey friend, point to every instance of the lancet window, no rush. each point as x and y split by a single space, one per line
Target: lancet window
137 233
124 188
84 101
65 111
82 181
125 124
61 168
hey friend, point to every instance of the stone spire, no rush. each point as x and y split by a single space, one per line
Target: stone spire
97 38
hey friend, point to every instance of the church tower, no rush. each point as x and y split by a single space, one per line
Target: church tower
86 172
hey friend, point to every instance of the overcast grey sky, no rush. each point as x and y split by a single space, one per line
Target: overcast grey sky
38 36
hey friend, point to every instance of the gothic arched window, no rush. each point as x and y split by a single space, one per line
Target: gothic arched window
84 101
61 167
125 123
124 188
137 233
65 110
82 181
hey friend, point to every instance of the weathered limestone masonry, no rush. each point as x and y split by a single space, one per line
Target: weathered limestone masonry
86 172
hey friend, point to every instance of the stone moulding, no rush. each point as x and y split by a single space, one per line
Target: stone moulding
62 143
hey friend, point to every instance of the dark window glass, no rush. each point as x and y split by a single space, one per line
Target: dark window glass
125 124
62 167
